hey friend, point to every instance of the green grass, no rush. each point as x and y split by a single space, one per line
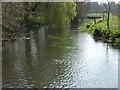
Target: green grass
110 34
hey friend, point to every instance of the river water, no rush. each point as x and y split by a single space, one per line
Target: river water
47 60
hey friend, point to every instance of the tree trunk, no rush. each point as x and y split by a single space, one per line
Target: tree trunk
119 16
103 16
94 21
108 19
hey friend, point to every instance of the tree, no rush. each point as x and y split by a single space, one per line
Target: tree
82 9
30 14
108 11
119 15
12 14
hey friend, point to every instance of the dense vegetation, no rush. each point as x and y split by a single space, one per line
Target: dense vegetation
101 31
18 17
37 13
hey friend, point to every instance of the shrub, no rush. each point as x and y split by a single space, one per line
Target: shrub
114 35
97 32
117 42
106 34
6 29
87 26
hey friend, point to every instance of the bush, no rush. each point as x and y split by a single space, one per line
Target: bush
87 26
114 35
6 29
106 34
97 32
117 42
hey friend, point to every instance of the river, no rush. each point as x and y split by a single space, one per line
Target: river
46 60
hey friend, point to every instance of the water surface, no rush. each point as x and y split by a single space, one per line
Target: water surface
71 60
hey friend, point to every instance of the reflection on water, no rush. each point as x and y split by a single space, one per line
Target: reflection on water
60 60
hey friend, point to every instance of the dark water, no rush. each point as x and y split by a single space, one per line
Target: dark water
59 60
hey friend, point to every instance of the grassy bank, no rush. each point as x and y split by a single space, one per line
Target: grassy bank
100 30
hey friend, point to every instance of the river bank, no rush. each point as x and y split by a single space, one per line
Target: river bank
100 30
